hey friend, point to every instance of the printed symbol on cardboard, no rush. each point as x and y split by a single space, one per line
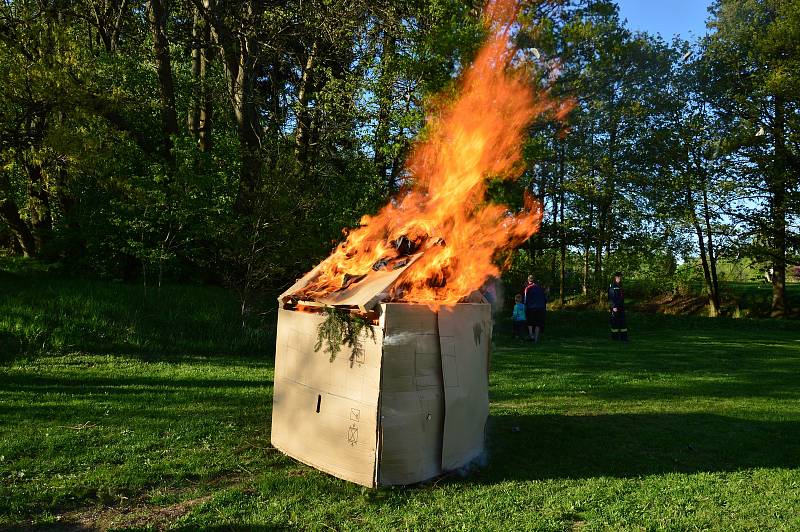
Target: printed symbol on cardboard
352 434
355 414
359 357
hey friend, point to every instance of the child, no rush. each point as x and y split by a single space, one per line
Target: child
519 317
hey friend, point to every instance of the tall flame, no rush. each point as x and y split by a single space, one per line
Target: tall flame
444 213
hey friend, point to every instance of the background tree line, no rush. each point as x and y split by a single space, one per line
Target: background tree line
230 142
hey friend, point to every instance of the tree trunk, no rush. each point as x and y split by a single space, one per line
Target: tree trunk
200 103
598 260
117 28
243 92
701 245
606 207
193 118
158 22
599 244
554 234
397 165
108 16
712 254
562 229
10 213
302 134
587 249
39 211
240 50
777 188
384 93
206 97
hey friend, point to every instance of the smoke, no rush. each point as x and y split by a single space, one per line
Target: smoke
400 338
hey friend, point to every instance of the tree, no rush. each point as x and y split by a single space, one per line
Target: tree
752 64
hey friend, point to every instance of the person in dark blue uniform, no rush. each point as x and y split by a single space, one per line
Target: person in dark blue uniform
616 304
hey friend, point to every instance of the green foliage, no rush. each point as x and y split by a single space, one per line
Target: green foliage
343 328
315 133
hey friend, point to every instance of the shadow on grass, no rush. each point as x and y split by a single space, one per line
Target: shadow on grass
540 447
119 385
132 399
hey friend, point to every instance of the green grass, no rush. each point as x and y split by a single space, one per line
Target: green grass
755 298
147 412
41 312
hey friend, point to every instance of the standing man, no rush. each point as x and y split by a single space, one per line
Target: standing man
535 308
616 303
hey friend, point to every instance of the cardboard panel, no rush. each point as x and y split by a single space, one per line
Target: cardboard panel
401 319
325 412
412 403
465 332
352 375
429 372
334 434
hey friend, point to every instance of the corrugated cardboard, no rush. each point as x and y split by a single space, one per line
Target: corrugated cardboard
324 411
465 333
412 404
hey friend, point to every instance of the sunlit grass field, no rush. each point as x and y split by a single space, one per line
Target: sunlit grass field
125 409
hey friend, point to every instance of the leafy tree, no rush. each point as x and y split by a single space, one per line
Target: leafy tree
751 61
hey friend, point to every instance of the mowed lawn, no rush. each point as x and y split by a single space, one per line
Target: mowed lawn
119 408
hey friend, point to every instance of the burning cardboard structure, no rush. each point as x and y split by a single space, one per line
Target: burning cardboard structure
409 399
408 403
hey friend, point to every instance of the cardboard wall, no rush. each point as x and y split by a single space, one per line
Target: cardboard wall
325 412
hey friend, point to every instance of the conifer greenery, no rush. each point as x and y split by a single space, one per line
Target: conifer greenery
343 328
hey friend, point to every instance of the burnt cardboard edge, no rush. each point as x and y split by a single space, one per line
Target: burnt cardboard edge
299 283
378 423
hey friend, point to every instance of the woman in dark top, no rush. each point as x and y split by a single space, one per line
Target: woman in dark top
535 307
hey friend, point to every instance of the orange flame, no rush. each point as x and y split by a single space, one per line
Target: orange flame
444 213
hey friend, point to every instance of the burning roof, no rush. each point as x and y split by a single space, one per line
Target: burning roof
438 241
362 291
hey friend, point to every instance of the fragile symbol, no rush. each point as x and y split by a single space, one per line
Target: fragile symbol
352 434
355 414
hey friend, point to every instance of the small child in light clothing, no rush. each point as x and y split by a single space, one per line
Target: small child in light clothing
519 317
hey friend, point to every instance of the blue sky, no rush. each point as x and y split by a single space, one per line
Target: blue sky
666 17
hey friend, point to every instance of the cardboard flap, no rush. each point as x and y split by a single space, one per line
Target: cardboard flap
465 332
412 405
364 294
300 283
